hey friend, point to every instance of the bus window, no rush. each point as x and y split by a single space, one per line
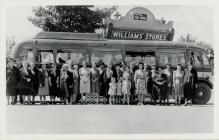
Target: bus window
137 57
195 57
106 57
29 56
205 60
76 57
172 58
45 56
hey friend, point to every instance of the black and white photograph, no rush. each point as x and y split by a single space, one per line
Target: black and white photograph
112 69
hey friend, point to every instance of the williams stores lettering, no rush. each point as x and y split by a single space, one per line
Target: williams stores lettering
140 36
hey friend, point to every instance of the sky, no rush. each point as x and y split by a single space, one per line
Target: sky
195 20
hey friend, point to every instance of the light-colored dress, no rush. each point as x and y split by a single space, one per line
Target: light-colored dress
126 84
44 91
178 81
112 89
84 80
76 81
140 82
119 89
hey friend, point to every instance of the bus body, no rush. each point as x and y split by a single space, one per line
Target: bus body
57 47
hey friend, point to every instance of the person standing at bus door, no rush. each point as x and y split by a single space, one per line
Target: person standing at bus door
95 84
25 87
140 83
112 91
35 80
70 65
76 84
103 81
169 74
84 82
177 83
44 84
161 83
132 90
12 81
126 85
53 89
190 84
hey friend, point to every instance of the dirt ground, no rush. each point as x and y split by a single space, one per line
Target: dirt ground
109 119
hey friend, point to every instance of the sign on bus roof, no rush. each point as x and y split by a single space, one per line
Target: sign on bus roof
139 24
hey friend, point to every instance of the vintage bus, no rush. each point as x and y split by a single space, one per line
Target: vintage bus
59 47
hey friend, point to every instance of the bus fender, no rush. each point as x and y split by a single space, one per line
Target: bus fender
206 81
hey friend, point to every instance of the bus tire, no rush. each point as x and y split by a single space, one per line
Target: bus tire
203 93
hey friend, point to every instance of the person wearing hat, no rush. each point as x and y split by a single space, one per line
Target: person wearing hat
25 85
44 83
103 82
169 73
95 85
35 79
54 74
12 76
190 83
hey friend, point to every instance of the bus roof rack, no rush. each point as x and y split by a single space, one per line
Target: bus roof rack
69 36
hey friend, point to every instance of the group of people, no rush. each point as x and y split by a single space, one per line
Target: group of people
117 84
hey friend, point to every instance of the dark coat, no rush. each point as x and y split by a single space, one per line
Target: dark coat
12 81
36 80
25 87
189 82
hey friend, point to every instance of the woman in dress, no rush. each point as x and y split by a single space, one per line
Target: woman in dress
112 90
95 84
140 83
169 74
119 91
126 85
12 81
35 80
25 87
44 84
190 84
178 83
53 82
84 82
76 84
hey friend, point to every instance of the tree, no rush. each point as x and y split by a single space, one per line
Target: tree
70 18
188 38
10 43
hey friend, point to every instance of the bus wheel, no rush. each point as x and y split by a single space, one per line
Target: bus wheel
203 94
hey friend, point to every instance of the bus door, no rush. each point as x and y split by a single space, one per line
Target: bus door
195 56
135 57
